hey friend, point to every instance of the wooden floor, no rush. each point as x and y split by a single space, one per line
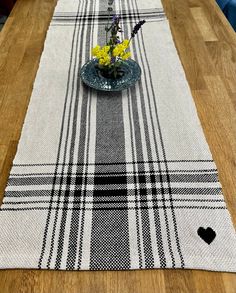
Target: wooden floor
207 47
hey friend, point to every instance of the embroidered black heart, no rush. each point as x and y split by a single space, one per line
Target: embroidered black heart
208 234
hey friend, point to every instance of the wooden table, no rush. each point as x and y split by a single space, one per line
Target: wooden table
207 48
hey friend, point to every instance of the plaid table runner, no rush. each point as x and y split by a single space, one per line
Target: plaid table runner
113 181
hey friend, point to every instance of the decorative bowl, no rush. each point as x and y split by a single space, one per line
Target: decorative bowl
92 77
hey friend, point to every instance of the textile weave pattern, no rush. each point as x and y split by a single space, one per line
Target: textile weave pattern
113 181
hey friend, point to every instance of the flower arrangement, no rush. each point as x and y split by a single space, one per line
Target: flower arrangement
115 51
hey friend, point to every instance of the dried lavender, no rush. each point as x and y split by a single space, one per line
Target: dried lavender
137 27
115 51
109 9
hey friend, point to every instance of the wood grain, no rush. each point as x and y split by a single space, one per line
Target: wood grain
207 48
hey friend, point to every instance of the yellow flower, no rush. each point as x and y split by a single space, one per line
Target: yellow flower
126 56
106 49
118 50
106 60
104 56
126 43
96 51
101 61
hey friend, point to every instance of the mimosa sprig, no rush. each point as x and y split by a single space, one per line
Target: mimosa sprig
115 50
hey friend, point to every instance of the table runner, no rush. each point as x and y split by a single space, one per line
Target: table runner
113 181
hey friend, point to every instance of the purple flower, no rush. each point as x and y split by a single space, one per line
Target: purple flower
116 18
137 27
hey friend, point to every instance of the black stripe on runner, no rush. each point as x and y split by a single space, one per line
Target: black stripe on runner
113 209
109 180
163 191
109 246
112 163
117 201
76 194
60 142
156 215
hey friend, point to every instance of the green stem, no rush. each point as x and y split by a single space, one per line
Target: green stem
130 40
108 29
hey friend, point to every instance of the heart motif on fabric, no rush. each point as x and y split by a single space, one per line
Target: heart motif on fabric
208 234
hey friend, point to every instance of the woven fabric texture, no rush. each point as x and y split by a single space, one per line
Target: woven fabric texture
113 181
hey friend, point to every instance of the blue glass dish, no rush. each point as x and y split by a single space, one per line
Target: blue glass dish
92 77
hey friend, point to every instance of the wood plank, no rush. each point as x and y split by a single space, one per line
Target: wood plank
189 59
229 282
207 31
209 282
179 281
219 136
6 162
222 56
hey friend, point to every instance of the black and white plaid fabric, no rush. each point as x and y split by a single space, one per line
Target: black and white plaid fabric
113 181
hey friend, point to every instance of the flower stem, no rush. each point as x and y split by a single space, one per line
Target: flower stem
108 18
